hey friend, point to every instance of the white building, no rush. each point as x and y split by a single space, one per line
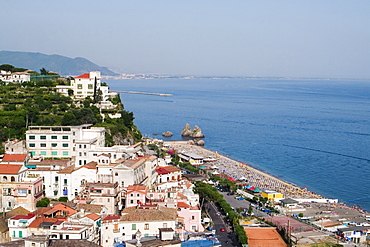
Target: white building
134 219
64 141
86 85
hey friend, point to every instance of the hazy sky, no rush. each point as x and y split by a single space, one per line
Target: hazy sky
309 38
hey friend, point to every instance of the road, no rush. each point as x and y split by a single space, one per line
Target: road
226 238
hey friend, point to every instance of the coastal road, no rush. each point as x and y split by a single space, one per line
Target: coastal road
226 238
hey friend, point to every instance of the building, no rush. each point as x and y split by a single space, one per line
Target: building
272 195
86 85
19 188
64 141
168 173
147 221
135 194
107 194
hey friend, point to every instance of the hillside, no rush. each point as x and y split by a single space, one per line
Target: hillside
56 63
38 104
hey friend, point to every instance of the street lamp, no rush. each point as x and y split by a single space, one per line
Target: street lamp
138 236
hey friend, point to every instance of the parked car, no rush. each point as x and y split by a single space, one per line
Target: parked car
223 229
240 198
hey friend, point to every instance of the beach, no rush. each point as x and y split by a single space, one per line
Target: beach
253 176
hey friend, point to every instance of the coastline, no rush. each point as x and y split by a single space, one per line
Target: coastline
269 182
254 177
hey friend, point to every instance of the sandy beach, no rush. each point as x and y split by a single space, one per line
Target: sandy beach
253 176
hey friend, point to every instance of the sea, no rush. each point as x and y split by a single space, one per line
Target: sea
314 133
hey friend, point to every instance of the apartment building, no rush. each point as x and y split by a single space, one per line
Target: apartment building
64 141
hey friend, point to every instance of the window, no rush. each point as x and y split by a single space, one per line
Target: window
131 201
65 181
65 137
43 153
65 153
54 153
32 137
84 146
193 217
146 227
137 195
43 145
54 145
151 195
90 86
33 153
133 227
65 145
32 145
42 137
20 234
67 236
164 225
79 86
54 137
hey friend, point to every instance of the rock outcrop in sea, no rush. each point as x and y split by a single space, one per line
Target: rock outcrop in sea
195 133
186 131
167 134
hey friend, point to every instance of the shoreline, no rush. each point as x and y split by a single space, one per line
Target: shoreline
255 177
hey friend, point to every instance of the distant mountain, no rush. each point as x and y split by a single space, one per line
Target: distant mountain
56 63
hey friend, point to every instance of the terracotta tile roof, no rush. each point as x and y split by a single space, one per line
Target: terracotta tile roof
112 217
91 165
14 157
136 187
36 223
162 213
90 208
68 169
181 195
93 216
183 205
9 169
23 217
266 237
167 169
85 76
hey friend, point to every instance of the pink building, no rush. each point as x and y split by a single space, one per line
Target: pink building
135 194
190 217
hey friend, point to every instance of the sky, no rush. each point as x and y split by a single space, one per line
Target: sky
288 38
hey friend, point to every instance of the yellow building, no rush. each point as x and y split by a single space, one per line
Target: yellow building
272 195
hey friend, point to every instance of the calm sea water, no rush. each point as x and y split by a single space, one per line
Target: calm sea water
308 132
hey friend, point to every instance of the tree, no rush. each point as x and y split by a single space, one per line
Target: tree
43 71
7 67
63 199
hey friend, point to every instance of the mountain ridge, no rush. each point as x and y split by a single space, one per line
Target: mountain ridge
57 63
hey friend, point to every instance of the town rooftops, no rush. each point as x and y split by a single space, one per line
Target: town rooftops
14 157
156 214
9 169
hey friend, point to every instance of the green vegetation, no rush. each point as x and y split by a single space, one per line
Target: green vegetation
210 193
37 103
44 202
